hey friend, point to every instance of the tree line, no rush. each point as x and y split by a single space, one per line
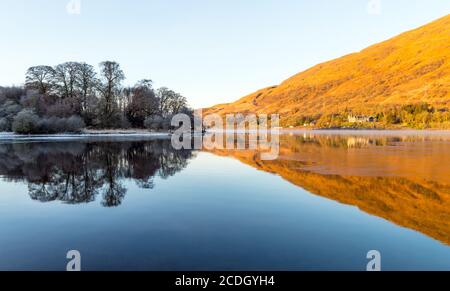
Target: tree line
419 116
73 95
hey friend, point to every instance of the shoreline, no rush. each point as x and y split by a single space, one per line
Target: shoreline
360 131
140 133
99 134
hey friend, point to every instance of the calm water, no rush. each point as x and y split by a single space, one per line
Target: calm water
140 205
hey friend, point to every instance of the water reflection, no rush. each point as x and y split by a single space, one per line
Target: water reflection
402 178
78 172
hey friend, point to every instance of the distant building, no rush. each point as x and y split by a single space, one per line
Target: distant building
361 119
311 124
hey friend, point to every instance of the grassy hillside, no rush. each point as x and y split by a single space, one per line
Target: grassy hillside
412 68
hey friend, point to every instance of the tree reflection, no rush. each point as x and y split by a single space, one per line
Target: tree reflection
77 172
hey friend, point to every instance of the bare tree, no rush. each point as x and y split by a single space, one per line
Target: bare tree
40 78
65 79
170 101
142 103
86 83
110 87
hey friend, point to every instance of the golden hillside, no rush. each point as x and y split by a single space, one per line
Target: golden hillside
410 68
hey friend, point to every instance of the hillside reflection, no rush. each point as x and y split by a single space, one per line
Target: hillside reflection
78 172
404 179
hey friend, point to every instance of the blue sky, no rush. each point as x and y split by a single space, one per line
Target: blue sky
209 50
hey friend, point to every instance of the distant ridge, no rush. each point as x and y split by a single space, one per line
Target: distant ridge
410 68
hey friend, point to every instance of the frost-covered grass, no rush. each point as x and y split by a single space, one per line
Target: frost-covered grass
122 131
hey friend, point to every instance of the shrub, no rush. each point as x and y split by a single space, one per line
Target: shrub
60 109
391 117
12 93
113 120
332 121
4 125
57 125
154 122
157 122
26 122
74 124
49 125
125 123
8 111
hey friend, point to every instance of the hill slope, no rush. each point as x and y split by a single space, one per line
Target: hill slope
410 68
